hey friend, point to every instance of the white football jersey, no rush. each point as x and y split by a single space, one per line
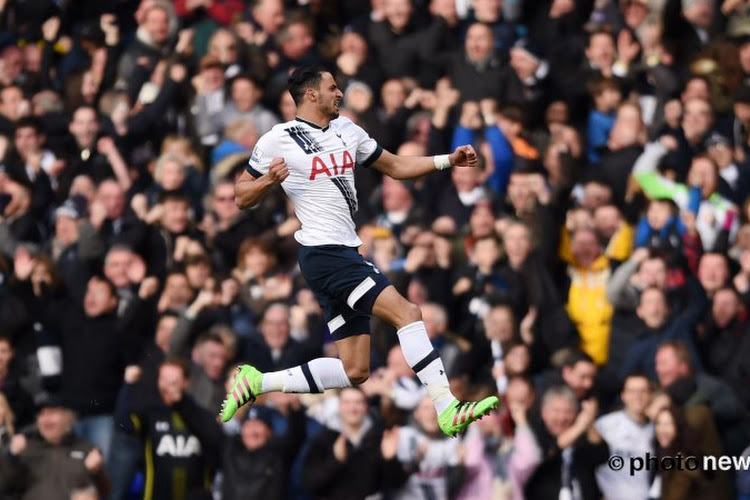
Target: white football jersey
626 438
321 164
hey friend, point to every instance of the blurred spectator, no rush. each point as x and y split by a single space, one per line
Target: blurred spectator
95 345
257 462
475 72
222 11
355 459
657 326
628 433
11 475
432 457
262 282
157 24
115 221
499 457
19 408
571 448
275 349
17 221
209 99
673 436
587 305
722 340
245 104
578 373
52 446
297 43
208 360
92 155
179 435
687 388
402 47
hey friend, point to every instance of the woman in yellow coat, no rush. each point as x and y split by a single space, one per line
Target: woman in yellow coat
589 270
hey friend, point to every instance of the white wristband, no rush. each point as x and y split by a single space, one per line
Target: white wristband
442 161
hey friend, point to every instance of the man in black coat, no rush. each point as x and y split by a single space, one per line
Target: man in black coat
476 70
571 448
52 459
525 81
401 47
156 24
115 222
256 463
96 346
688 26
356 461
183 440
86 154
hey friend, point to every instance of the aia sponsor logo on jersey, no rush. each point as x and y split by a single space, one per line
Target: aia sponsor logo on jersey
178 446
331 166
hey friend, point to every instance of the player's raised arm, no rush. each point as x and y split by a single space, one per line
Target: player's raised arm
248 190
409 167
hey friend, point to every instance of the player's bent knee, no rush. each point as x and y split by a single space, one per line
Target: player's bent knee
358 376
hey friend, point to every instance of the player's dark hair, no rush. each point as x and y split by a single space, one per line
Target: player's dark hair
303 78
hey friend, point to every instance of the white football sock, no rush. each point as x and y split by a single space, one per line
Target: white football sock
313 377
426 362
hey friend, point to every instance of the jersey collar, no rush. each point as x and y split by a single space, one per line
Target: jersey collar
313 125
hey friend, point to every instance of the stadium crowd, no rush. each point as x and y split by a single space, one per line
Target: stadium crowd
594 271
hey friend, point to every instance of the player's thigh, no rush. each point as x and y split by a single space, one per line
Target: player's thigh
392 307
354 353
343 275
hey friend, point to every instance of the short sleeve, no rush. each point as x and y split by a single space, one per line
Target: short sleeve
260 158
368 150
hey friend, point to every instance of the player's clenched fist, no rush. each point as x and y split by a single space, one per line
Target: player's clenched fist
464 156
278 171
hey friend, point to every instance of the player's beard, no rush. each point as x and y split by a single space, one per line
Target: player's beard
334 111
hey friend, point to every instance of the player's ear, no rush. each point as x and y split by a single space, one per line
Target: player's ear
312 94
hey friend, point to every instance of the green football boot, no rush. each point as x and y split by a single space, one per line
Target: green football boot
245 388
457 417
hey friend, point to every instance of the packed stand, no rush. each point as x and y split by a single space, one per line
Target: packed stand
594 271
